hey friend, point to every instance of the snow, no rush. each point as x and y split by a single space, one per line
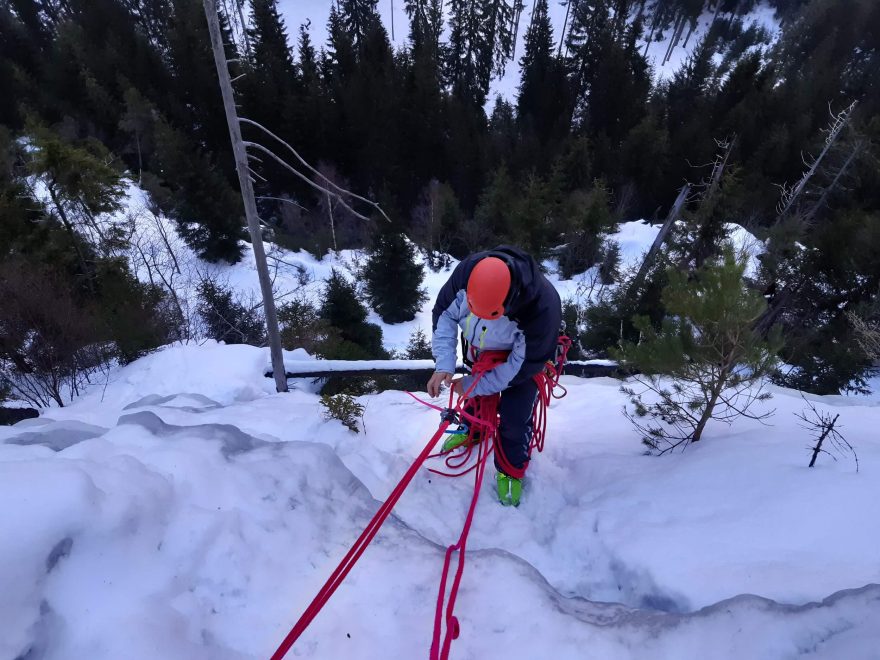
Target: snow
188 511
764 15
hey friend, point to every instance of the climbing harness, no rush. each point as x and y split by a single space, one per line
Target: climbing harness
482 417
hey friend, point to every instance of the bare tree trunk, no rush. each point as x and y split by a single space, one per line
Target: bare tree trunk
811 214
710 405
690 33
658 242
247 195
840 122
74 237
676 35
818 447
562 35
332 224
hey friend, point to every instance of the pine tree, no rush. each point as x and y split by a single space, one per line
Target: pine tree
359 340
590 218
308 120
426 26
393 279
419 346
497 205
271 76
199 105
359 17
480 43
207 210
705 362
82 186
610 77
542 102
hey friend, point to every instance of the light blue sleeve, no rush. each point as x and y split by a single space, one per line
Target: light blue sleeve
444 343
499 378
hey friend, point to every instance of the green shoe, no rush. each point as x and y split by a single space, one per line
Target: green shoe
509 489
455 439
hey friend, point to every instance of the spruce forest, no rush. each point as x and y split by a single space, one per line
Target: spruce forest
776 132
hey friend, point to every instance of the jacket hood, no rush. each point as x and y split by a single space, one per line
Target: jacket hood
525 275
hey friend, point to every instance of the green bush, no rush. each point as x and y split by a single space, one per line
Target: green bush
344 408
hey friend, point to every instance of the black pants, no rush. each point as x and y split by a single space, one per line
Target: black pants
517 405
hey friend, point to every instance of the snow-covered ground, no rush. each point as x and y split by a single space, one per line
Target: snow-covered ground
187 511
183 509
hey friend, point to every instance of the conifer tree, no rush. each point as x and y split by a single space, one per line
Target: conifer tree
705 362
419 346
480 43
197 196
393 278
271 77
610 77
426 26
360 17
227 318
497 205
342 310
308 124
542 101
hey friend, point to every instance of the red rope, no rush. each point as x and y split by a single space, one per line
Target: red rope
372 528
484 416
485 410
459 461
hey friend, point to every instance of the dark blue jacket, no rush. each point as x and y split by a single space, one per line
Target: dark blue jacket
529 328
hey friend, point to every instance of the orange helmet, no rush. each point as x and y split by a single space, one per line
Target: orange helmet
488 288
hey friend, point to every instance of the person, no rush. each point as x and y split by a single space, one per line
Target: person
501 302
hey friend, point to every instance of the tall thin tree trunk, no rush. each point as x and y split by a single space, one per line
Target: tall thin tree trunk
658 242
74 237
840 122
332 224
811 214
247 195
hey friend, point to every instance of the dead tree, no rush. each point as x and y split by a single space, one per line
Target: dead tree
700 236
791 206
247 194
240 147
823 426
651 256
867 335
855 152
791 195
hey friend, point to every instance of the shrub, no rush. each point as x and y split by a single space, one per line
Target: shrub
344 408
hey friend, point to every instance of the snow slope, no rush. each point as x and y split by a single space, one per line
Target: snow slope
188 511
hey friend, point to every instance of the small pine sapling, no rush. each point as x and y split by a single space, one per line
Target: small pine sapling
345 408
823 426
704 363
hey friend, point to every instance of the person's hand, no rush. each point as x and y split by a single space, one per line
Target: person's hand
458 386
439 379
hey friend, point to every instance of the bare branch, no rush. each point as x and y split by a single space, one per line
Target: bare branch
307 180
284 200
339 190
